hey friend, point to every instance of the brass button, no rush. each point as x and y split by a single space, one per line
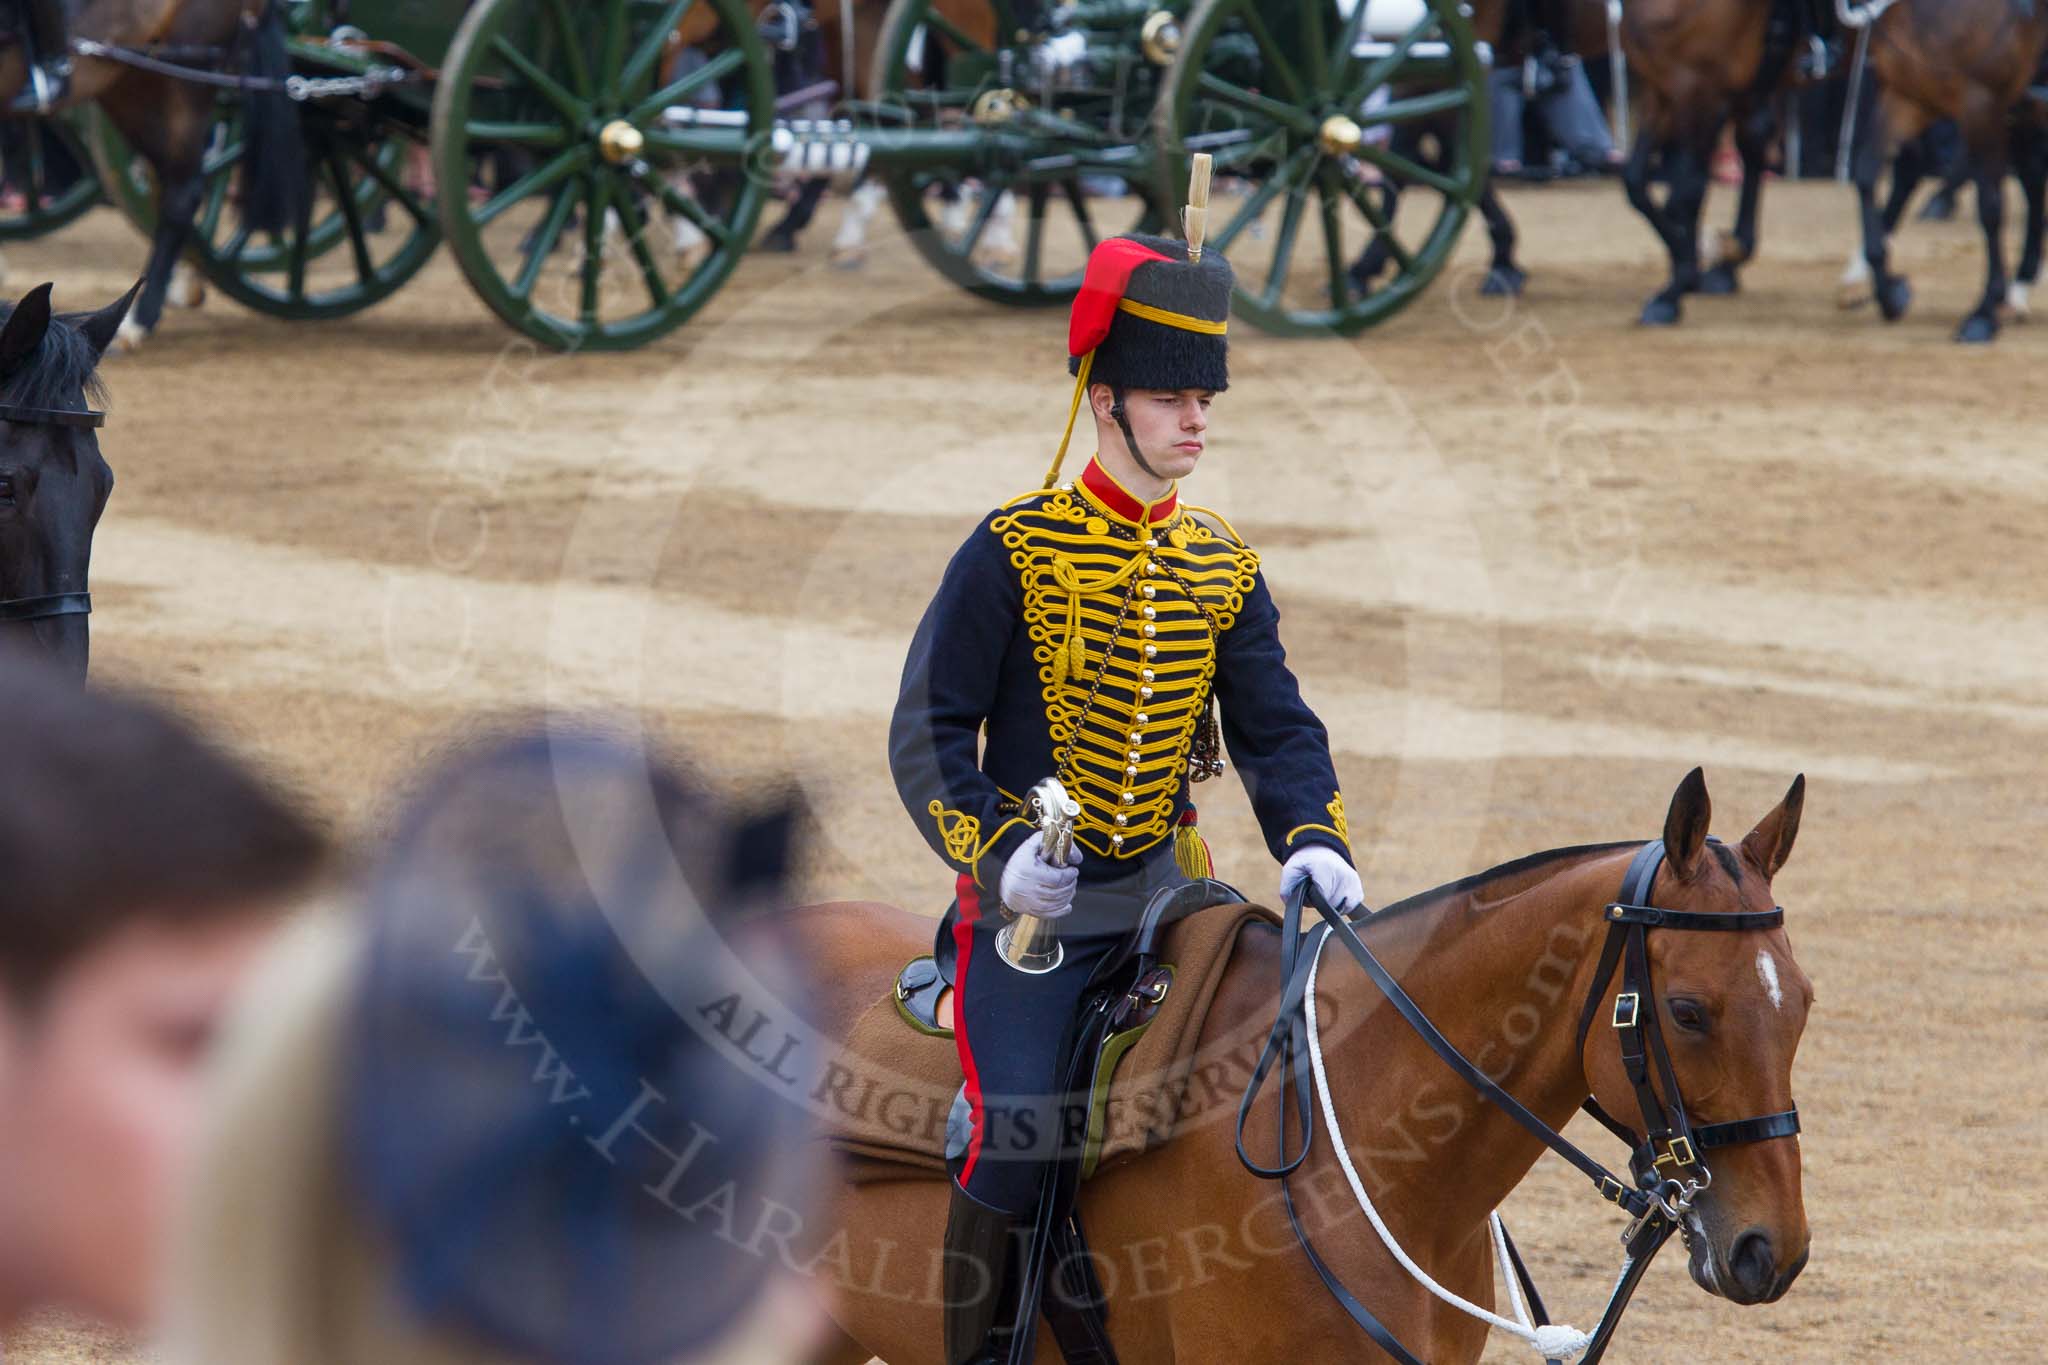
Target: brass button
1133 755
1149 590
1151 630
1146 674
1131 771
1117 839
1123 819
1144 719
1130 797
1145 692
1152 542
1151 650
1151 613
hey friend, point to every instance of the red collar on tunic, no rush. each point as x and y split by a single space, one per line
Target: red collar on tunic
1112 497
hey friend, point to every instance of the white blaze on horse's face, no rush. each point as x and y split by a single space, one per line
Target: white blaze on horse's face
1767 969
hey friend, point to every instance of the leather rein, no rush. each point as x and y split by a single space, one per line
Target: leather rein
22 609
1666 1159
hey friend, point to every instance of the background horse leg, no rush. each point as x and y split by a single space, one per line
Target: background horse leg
797 217
1503 276
1982 324
1873 147
1685 168
1753 140
167 123
2030 163
1635 180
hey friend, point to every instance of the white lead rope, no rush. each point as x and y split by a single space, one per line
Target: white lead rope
1556 1341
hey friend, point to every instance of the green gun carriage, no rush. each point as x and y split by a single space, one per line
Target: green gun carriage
599 166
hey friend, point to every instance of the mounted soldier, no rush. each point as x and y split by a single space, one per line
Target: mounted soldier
46 40
1089 630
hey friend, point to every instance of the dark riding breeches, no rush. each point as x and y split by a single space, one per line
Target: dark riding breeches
1008 1123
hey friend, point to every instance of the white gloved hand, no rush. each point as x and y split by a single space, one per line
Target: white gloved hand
1032 886
1323 865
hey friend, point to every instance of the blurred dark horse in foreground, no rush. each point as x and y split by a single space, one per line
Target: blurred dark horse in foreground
169 120
53 481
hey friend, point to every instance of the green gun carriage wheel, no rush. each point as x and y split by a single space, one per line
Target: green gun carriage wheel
1298 102
360 202
1034 177
623 133
50 167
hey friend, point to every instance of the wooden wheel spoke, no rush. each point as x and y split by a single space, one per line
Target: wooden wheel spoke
612 57
574 111
673 93
214 163
1333 246
1256 202
634 223
391 185
519 134
351 216
1315 49
1283 245
677 202
1399 166
595 195
1271 52
572 46
1034 234
984 209
1079 200
1418 106
1382 226
542 177
541 244
1286 115
1385 66
641 63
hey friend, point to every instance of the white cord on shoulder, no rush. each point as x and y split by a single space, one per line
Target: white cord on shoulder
1555 1342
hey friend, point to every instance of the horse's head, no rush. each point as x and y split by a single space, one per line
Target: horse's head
1731 1007
53 482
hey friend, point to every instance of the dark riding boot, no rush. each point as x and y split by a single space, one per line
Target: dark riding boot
980 1281
49 59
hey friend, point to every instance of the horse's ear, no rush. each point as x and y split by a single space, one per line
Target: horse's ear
102 327
22 337
1770 843
1685 825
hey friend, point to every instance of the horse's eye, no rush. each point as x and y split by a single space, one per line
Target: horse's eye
1689 1015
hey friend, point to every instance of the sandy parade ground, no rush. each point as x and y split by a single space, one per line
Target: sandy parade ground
1534 564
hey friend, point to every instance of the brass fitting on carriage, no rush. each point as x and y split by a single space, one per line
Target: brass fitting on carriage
1028 942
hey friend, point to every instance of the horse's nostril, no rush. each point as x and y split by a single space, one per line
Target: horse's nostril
1753 1264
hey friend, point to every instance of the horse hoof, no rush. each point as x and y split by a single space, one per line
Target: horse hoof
1504 280
1660 312
848 260
1894 297
1720 282
2017 306
1977 329
781 243
187 289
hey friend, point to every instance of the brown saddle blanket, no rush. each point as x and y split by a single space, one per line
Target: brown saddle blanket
894 1084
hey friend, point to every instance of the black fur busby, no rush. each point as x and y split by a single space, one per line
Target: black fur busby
1141 353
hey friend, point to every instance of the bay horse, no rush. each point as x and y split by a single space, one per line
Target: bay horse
54 482
169 121
1971 61
1695 65
1194 1253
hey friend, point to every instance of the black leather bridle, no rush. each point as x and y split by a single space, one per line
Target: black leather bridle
18 609
1658 1200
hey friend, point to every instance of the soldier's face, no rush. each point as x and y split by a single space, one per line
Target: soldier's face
1171 426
